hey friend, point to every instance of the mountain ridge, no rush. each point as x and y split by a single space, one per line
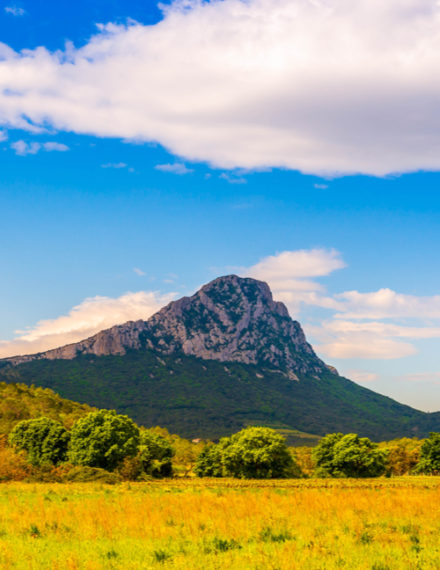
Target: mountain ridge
230 319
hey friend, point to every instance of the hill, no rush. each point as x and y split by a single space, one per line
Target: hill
20 402
207 365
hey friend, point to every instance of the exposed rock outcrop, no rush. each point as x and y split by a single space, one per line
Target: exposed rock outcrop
229 319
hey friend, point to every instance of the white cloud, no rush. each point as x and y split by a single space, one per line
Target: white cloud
89 317
139 271
232 178
345 338
366 346
23 148
325 87
284 269
15 10
381 329
54 146
360 325
321 186
176 168
116 165
3 136
288 274
386 303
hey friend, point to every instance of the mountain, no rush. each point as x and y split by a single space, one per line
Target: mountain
207 365
231 319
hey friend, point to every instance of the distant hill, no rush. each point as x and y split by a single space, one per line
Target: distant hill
20 402
207 365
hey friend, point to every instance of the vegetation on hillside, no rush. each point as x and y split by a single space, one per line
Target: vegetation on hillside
103 445
21 402
209 399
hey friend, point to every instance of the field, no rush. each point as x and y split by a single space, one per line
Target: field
216 524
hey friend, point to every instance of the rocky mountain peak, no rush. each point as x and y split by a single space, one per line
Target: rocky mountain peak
229 319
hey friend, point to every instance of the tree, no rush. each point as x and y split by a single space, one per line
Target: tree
209 462
339 455
155 453
44 440
252 453
430 455
402 454
257 453
103 439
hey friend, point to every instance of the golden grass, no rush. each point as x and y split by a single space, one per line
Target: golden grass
216 524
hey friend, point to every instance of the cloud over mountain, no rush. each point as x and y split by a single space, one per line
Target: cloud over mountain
89 317
323 87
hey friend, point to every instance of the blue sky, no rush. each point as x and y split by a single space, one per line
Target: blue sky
147 157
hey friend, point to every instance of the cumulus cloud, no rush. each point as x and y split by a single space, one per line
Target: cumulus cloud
361 324
288 274
323 87
89 317
175 168
287 265
23 148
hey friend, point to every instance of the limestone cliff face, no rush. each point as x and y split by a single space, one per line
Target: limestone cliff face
229 319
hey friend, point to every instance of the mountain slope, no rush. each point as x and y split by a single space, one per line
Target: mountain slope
207 398
207 365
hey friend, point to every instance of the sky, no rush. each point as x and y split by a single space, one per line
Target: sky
148 148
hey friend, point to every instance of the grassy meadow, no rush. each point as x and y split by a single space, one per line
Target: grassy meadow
374 524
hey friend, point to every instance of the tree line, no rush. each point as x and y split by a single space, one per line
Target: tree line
109 446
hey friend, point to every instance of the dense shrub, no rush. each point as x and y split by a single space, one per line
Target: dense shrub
339 455
43 439
85 474
103 439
